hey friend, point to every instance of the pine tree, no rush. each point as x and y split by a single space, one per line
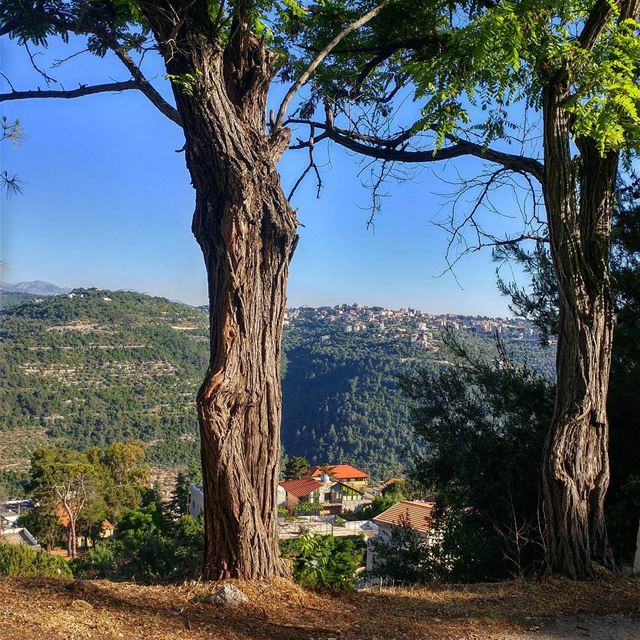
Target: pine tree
180 496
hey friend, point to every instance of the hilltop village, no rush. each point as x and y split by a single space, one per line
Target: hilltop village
422 329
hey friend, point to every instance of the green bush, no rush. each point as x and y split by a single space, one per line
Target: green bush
18 560
149 547
323 562
105 560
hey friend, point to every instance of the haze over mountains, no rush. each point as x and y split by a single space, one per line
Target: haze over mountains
35 287
88 367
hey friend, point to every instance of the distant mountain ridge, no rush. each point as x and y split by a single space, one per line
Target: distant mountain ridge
34 287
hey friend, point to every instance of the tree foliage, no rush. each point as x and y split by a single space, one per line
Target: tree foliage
179 504
76 491
323 562
483 425
296 467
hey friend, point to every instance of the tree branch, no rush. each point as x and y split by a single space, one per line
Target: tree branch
141 81
598 18
387 149
595 23
82 90
295 87
312 165
144 85
413 43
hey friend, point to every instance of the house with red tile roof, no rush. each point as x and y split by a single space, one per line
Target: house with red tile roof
344 473
414 514
331 496
300 490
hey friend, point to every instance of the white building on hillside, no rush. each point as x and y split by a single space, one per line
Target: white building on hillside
196 500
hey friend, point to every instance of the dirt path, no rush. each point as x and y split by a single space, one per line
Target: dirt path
49 609
589 627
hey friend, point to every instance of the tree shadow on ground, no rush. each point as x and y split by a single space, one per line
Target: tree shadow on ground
514 610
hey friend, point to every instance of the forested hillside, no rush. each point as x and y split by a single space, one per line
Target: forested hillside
12 298
341 401
94 366
91 367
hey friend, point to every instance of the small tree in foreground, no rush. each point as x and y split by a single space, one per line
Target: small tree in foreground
66 483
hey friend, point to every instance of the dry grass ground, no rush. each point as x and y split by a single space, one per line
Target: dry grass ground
49 609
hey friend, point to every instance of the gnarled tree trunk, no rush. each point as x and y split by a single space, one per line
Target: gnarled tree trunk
247 232
579 200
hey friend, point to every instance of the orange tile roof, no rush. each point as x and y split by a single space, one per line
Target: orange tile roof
416 514
339 472
300 487
61 514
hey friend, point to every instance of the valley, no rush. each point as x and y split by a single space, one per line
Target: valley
90 367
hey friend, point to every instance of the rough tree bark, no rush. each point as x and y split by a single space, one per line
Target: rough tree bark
247 232
579 197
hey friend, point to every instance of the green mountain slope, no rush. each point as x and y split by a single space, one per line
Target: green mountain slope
91 367
341 401
12 298
94 366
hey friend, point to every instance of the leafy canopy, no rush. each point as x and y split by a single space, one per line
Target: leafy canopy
466 63
463 63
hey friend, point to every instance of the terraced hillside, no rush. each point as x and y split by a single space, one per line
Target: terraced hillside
93 366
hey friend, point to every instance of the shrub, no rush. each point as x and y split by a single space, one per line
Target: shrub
18 560
147 547
307 508
323 562
105 560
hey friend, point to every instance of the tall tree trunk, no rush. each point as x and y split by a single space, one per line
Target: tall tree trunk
247 232
579 201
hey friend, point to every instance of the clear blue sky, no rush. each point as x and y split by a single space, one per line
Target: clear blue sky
107 203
